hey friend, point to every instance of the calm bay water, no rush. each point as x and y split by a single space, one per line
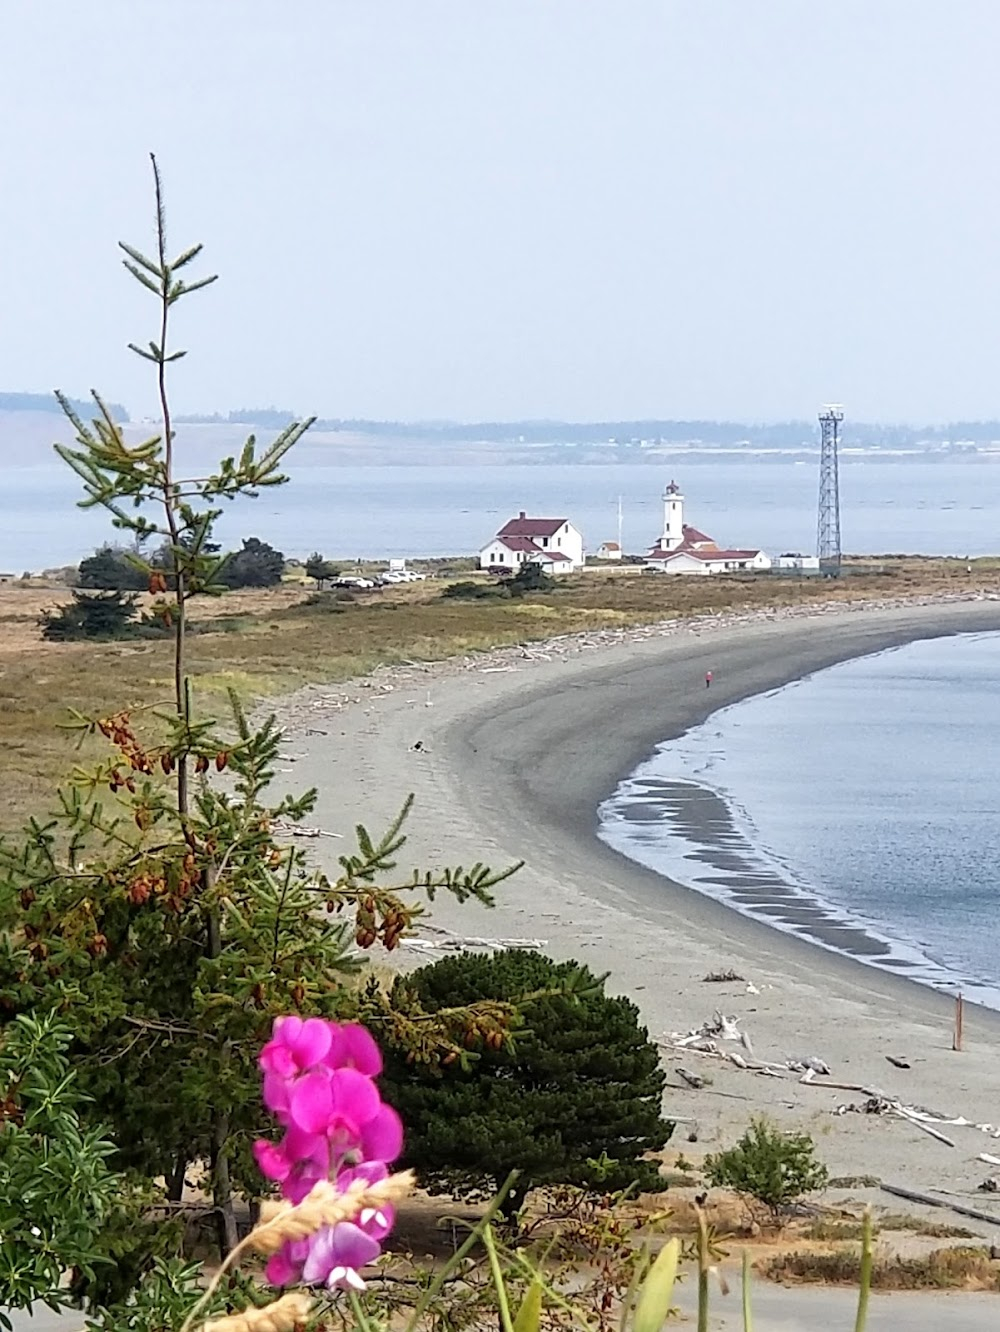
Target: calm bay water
943 508
861 809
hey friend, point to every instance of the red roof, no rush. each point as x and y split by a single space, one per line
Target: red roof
693 536
516 542
522 526
529 547
708 556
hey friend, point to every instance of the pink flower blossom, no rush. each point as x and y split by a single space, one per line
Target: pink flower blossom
296 1045
318 1082
353 1047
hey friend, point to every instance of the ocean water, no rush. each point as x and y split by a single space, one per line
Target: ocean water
423 510
858 807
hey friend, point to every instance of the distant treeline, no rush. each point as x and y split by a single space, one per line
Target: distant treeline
718 434
46 402
781 434
253 416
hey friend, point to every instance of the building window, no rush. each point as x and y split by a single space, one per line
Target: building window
545 541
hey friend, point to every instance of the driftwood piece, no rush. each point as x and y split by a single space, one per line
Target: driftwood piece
930 1201
301 830
810 1065
902 1113
897 1062
693 1080
448 941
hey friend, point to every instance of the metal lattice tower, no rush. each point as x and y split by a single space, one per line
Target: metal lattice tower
828 520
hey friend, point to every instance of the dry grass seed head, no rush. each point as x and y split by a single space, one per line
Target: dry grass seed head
323 1206
283 1315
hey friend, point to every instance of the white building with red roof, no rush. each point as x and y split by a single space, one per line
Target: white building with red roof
682 549
553 543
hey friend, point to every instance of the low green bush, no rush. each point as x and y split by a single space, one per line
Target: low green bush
768 1166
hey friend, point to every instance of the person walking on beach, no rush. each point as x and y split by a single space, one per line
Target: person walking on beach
708 679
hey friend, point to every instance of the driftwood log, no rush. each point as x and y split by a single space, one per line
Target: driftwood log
930 1201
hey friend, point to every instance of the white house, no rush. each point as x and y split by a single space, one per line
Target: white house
684 550
554 543
800 563
609 550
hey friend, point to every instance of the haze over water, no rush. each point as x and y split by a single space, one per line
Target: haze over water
862 809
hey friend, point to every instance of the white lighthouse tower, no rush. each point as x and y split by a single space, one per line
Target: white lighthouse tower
673 518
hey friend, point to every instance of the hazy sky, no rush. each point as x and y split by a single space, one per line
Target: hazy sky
513 208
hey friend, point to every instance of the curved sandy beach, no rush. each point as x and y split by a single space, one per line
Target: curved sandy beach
516 752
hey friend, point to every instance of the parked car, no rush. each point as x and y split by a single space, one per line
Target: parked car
354 582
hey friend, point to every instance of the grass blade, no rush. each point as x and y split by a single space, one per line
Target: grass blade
657 1290
529 1316
747 1314
503 1304
867 1260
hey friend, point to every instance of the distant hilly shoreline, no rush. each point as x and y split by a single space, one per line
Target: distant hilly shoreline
779 434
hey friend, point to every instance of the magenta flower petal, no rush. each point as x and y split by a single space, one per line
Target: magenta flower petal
278 1059
276 1094
271 1160
355 1097
299 1185
377 1222
312 1042
370 1171
310 1102
358 1050
352 1247
382 1136
341 1246
286 1028
308 1148
321 1256
280 1270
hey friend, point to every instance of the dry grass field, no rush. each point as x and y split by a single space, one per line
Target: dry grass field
269 643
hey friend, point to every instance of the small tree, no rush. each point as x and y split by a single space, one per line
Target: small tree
91 615
530 577
256 565
576 1099
320 568
768 1166
112 568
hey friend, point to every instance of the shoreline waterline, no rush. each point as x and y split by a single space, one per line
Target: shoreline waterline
687 813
